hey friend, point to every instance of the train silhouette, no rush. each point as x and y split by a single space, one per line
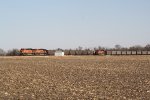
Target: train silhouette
44 52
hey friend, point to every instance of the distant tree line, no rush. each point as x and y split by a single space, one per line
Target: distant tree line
80 50
13 52
134 48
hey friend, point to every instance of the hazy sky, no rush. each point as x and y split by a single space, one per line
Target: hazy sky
71 23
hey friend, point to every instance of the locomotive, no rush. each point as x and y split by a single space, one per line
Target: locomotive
31 52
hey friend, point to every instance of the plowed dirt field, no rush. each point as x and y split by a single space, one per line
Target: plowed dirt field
75 77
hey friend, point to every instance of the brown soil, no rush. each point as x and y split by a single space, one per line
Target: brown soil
75 77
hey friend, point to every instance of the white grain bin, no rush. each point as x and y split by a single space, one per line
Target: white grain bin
59 53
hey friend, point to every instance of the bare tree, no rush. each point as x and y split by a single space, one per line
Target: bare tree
136 48
95 48
99 47
80 48
13 52
2 52
147 47
117 47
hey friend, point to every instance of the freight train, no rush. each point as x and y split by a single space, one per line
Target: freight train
34 52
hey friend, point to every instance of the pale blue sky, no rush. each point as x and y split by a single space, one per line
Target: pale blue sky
54 24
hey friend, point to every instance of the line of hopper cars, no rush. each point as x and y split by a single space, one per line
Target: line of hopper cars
43 52
127 52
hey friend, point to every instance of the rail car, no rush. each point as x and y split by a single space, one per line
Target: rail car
100 52
128 52
33 52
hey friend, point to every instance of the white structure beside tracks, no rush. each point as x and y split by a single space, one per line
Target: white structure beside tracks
59 53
